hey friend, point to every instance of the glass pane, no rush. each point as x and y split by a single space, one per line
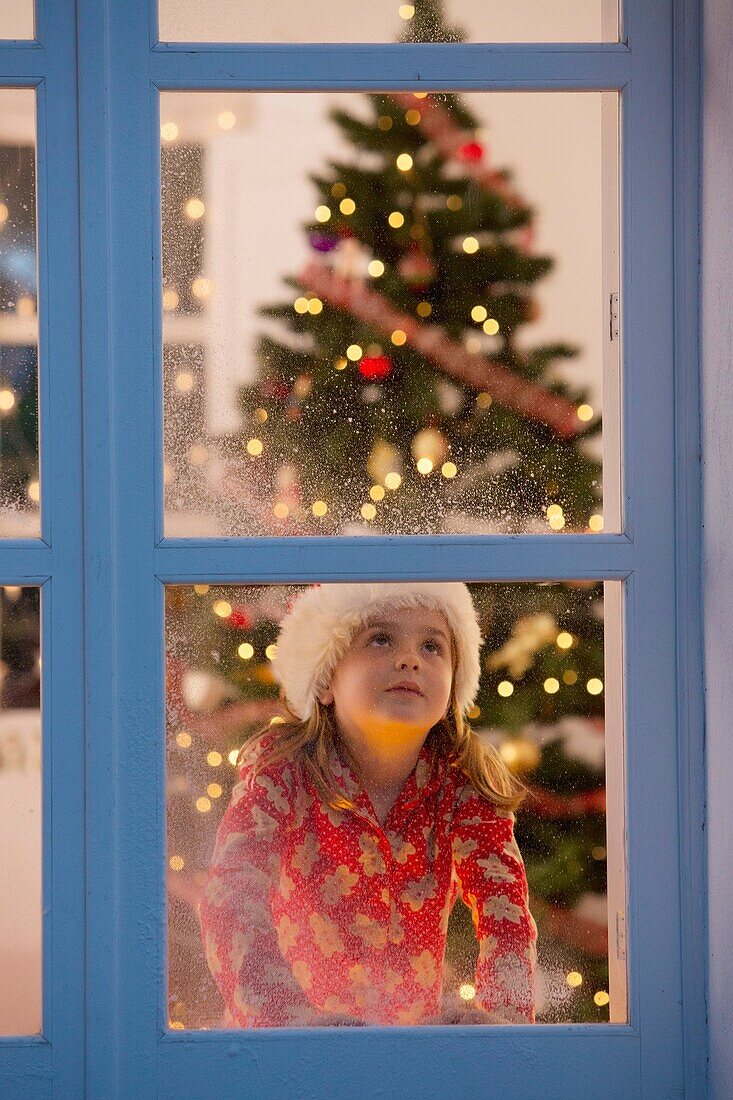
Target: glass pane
16 19
19 484
389 313
389 21
20 812
288 906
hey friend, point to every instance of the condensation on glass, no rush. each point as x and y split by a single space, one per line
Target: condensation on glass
16 19
391 314
389 21
549 702
19 478
20 812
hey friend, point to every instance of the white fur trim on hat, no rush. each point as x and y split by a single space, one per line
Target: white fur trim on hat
318 629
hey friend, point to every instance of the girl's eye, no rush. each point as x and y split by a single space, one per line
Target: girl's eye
380 638
434 646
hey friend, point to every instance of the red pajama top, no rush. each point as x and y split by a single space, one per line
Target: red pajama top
310 910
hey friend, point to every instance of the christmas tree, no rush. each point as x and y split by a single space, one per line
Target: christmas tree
540 703
397 399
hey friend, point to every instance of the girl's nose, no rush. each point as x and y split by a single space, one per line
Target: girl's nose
408 660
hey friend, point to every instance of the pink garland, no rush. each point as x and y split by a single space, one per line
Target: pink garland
546 804
431 341
439 126
580 932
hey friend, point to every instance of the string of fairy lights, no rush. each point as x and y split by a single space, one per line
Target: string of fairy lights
428 446
25 308
564 641
513 751
427 450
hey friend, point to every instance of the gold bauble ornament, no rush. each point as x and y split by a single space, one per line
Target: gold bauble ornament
263 673
287 476
430 444
520 755
303 385
383 459
530 634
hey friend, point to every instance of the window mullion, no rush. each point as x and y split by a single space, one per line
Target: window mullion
366 67
490 558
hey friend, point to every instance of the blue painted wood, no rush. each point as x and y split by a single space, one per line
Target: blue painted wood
103 1030
543 557
61 602
124 610
22 70
54 1063
442 67
644 1059
26 1067
409 1064
40 29
27 559
651 651
648 463
691 696
656 787
138 854
652 1052
21 63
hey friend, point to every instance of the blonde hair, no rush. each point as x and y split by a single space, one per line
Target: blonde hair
307 744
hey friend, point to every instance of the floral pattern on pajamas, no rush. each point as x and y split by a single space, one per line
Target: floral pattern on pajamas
311 911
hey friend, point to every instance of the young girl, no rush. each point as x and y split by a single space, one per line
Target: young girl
356 824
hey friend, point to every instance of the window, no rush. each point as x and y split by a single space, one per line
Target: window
207 480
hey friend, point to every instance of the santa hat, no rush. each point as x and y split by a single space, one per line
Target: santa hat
318 629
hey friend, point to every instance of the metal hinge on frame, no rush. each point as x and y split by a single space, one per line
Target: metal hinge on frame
620 935
613 318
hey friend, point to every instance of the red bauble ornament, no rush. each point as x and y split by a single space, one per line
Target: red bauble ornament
471 151
533 310
375 367
275 389
525 238
239 619
417 269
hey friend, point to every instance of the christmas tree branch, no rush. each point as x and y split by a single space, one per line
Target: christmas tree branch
524 397
546 804
579 932
449 139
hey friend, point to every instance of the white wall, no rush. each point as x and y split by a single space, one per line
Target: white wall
717 364
379 21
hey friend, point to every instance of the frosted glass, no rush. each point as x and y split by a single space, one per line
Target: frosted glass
388 20
19 478
20 813
547 701
16 19
389 313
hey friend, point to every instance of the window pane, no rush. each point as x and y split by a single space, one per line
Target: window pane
20 812
389 313
296 915
389 21
19 484
16 19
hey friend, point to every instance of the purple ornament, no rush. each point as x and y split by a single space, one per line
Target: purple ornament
323 242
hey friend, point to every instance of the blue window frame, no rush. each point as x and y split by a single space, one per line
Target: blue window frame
102 561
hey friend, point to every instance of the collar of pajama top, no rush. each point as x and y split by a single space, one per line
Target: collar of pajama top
357 912
425 778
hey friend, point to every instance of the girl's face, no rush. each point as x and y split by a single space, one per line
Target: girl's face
394 681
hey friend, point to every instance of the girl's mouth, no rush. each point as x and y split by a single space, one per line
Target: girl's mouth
406 688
